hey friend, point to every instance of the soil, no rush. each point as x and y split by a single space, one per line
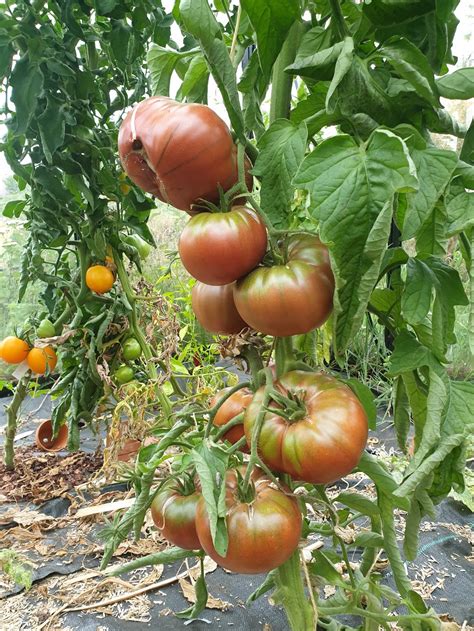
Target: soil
39 476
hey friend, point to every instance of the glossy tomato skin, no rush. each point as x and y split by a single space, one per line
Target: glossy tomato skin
45 329
14 350
174 515
179 152
219 248
326 444
99 279
41 360
263 534
289 299
234 405
215 310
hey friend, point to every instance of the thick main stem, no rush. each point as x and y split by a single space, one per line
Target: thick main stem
291 594
281 81
12 417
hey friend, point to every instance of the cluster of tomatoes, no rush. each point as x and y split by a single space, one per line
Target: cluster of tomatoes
14 350
313 427
165 149
315 437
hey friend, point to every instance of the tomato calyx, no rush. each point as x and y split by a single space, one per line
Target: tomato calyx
292 408
185 484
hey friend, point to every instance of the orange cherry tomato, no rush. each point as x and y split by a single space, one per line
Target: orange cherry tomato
99 279
14 350
42 359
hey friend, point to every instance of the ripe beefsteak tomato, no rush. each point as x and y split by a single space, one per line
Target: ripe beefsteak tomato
174 515
263 533
325 442
219 248
289 299
180 152
215 310
234 405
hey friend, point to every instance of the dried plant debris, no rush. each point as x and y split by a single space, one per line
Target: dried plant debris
38 477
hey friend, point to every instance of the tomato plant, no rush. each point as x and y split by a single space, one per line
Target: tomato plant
219 248
358 203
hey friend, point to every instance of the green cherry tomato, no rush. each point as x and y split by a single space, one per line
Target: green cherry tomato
124 374
45 329
142 246
131 349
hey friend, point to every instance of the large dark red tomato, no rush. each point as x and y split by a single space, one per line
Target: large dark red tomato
215 310
325 443
174 515
289 299
218 248
263 533
179 152
231 407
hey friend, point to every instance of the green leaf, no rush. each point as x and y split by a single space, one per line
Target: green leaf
412 65
26 82
434 169
200 590
380 475
282 149
263 588
201 24
271 21
460 211
316 58
322 566
170 555
121 41
211 466
14 208
352 189
431 238
358 502
467 151
390 540
401 413
416 297
51 125
365 396
343 64
457 85
194 86
368 540
161 62
396 12
6 56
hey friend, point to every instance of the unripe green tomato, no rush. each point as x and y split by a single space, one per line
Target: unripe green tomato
124 374
131 349
45 329
142 246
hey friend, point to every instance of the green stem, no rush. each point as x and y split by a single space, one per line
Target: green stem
254 361
138 333
332 511
291 594
62 319
237 420
213 411
337 19
257 428
284 354
236 34
12 417
281 81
